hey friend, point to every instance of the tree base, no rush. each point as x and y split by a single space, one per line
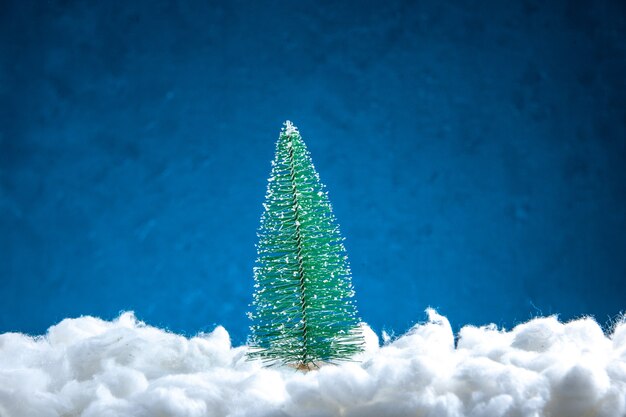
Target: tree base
309 366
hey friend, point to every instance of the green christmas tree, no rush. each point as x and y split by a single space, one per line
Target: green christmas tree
305 313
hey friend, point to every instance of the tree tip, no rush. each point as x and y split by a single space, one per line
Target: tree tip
289 129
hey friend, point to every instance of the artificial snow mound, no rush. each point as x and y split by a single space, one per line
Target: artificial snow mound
90 367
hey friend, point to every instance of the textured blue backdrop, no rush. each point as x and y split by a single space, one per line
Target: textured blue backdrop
475 156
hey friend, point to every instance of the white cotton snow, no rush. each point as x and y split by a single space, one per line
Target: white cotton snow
91 367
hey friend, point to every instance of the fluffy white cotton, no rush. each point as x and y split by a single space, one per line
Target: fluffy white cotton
90 367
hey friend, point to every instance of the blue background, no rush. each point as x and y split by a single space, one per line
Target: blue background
475 155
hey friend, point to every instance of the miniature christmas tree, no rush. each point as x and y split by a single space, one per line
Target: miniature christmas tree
305 312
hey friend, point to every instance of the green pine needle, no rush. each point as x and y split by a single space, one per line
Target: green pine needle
305 312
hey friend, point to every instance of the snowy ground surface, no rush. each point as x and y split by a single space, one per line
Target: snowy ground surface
90 367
